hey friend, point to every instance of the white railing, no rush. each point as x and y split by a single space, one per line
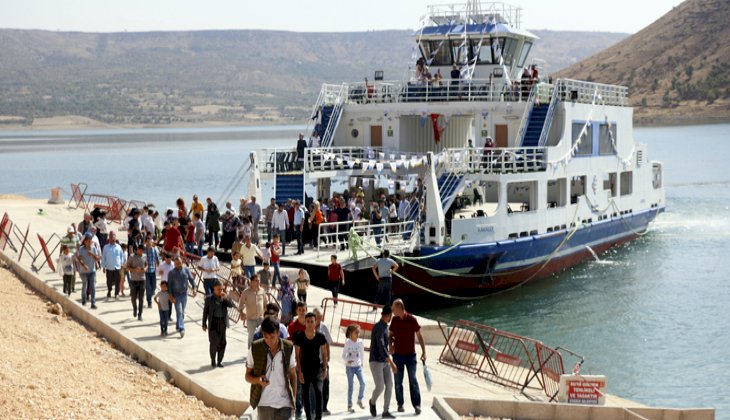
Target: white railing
395 236
583 92
279 160
447 90
550 114
338 97
359 158
483 11
496 160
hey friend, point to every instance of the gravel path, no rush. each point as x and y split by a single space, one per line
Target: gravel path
53 367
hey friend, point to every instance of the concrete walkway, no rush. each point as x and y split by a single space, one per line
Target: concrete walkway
187 359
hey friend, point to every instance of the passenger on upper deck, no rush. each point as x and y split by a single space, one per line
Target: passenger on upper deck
314 140
369 90
301 145
436 81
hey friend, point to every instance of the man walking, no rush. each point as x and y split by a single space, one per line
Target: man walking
381 365
199 234
403 330
309 344
215 321
150 274
299 226
137 268
255 210
210 266
249 252
212 223
178 280
255 300
383 271
112 257
271 371
280 225
269 214
87 257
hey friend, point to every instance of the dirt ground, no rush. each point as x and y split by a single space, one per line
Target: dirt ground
53 367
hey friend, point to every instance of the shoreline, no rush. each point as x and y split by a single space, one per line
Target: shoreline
78 123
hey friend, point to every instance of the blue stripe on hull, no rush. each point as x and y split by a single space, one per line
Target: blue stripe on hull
524 252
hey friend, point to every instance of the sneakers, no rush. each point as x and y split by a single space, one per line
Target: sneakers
93 306
401 409
182 334
387 415
418 411
350 409
359 404
373 411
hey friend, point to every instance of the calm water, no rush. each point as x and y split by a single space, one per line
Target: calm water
654 316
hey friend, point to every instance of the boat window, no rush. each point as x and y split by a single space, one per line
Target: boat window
442 55
577 188
586 145
556 192
457 52
521 196
627 180
609 183
497 48
509 48
485 53
525 52
605 146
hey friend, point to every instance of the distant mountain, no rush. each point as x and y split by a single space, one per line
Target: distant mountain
191 77
677 68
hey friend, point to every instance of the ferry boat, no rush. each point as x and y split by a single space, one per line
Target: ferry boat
509 176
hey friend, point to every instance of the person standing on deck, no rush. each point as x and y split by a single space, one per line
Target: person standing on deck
199 233
178 280
383 271
403 330
150 274
215 322
213 223
196 206
280 225
255 210
112 258
269 214
301 146
381 364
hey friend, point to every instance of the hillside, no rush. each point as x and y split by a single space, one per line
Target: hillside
241 76
676 68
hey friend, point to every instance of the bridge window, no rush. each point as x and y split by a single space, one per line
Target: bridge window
556 192
627 183
525 52
586 144
506 46
521 196
485 52
577 188
605 134
442 56
609 183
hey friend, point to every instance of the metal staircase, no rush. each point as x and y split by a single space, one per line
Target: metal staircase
329 107
450 184
289 186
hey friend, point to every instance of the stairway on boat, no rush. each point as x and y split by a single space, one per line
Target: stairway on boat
535 124
450 184
289 186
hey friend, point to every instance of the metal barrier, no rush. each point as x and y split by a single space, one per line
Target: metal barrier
504 358
347 312
6 226
24 242
77 195
47 254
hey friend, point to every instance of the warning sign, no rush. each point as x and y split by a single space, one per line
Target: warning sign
582 389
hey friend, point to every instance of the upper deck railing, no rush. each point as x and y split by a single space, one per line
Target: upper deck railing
585 92
498 160
476 12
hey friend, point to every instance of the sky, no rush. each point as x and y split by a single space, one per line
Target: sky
308 16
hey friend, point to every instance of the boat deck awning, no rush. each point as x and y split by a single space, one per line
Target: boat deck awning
471 29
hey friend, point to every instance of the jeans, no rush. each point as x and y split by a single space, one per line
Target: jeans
137 296
164 318
113 277
312 381
409 362
249 271
383 380
181 300
200 247
277 273
88 283
353 371
208 286
269 413
150 287
382 295
298 235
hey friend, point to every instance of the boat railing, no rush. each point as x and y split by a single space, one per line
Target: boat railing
553 98
278 160
591 92
447 90
397 237
359 158
484 11
496 160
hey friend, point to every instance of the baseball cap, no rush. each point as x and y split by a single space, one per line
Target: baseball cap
88 235
70 230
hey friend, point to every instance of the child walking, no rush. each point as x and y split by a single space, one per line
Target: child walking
354 353
302 284
163 299
67 269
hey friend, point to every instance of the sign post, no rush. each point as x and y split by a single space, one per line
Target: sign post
583 389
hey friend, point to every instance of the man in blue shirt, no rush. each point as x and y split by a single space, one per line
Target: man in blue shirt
153 263
381 364
178 280
299 226
111 261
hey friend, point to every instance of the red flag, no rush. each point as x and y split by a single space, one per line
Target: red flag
435 124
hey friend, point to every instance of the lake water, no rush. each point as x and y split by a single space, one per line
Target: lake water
654 316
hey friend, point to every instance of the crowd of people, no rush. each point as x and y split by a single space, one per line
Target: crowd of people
155 265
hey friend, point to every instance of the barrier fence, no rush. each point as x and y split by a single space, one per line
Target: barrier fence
6 226
347 312
504 358
116 208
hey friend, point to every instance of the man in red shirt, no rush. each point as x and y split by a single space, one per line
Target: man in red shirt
336 276
173 238
404 329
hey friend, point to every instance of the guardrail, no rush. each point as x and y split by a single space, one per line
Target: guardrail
343 313
359 158
495 160
396 236
584 92
504 358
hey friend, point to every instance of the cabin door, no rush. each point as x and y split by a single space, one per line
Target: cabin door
376 136
501 133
